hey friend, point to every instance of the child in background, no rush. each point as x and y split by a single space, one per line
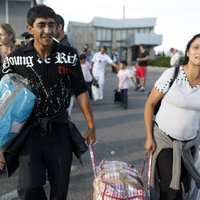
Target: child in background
86 68
124 77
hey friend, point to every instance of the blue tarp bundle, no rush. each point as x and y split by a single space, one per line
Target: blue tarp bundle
16 104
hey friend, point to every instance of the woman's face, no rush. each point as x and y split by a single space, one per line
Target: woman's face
4 37
194 52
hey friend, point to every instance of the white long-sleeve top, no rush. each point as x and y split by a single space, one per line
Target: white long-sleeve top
124 77
86 68
179 113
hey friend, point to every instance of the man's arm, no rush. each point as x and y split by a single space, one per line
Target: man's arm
85 106
115 65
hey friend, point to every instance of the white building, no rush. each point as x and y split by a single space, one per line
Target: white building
123 34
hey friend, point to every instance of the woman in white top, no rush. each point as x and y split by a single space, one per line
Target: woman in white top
7 45
175 126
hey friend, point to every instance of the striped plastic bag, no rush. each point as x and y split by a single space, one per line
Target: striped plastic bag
116 180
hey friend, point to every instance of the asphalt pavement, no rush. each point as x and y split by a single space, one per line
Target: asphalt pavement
120 136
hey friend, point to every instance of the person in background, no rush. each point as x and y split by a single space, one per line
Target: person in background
115 56
86 68
64 40
88 52
7 45
124 77
172 136
27 36
99 62
7 41
60 34
51 70
141 68
175 57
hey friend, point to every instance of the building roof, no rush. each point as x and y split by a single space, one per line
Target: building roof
77 23
124 23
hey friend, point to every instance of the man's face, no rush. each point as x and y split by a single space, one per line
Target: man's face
43 31
102 50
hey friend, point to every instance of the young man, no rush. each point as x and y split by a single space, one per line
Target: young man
141 68
60 34
99 62
52 70
64 40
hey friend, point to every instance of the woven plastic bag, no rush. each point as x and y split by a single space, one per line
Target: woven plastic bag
116 180
96 93
16 104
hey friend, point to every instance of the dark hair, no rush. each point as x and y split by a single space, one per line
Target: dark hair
26 35
38 11
60 20
82 56
142 45
123 62
186 58
105 48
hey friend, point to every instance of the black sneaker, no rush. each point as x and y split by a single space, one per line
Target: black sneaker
125 107
138 87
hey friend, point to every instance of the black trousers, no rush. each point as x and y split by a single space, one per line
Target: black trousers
89 84
45 155
164 168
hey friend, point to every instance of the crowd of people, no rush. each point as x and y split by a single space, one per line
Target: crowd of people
57 72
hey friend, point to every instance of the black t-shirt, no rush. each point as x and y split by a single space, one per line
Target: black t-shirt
143 55
51 80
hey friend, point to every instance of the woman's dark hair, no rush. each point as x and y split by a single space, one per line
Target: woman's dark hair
186 58
38 11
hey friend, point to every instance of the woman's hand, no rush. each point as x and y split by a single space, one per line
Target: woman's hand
150 145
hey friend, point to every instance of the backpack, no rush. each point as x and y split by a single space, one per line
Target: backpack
157 106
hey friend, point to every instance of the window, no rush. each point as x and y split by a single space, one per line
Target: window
104 34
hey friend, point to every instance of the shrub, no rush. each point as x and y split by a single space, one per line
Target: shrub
162 61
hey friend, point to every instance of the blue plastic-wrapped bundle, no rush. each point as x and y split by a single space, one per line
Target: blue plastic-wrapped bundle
16 104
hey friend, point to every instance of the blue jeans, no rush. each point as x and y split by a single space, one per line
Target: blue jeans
124 97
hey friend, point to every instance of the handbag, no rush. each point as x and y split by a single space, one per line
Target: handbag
79 147
117 95
157 106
